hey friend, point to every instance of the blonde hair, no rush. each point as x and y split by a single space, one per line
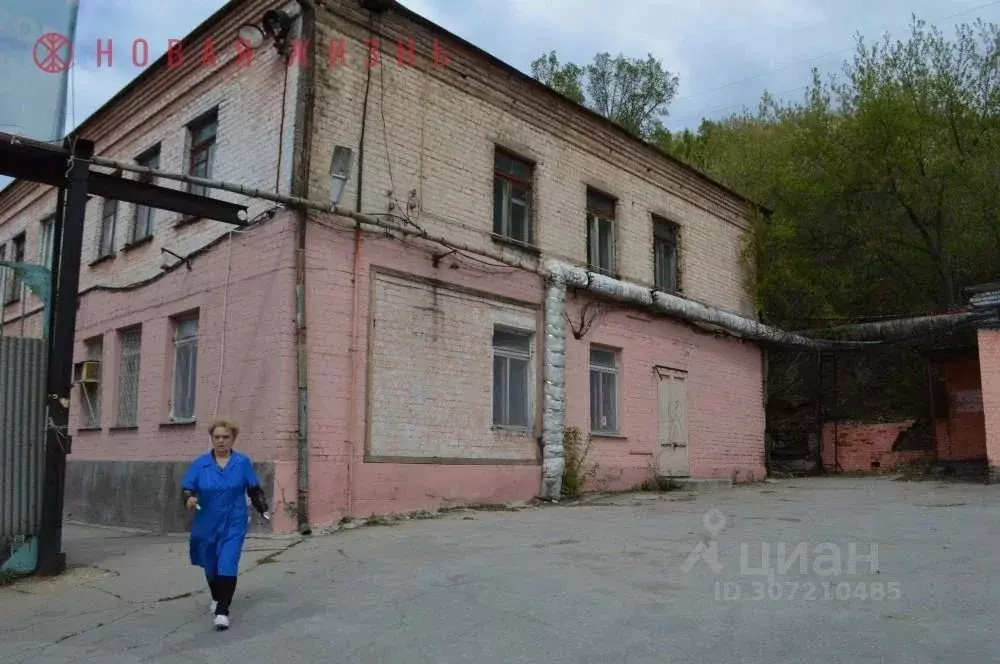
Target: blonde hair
233 427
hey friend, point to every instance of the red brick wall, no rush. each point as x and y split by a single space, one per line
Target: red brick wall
959 437
966 438
857 445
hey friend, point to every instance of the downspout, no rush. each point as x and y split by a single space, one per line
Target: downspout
304 105
352 424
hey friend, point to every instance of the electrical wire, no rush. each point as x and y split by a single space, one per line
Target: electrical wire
385 138
225 311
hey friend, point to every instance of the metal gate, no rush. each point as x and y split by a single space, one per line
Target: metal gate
22 446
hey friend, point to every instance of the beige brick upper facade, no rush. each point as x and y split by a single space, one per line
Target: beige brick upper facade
430 136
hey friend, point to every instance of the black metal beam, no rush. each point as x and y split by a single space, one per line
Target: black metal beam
59 384
164 198
46 164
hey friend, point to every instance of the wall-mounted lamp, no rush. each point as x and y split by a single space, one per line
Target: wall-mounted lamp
278 25
251 35
275 24
340 171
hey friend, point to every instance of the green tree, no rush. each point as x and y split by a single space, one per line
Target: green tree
882 181
633 92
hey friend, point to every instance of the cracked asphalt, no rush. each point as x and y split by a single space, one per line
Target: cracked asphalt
673 577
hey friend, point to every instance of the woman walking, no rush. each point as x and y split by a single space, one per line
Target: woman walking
216 486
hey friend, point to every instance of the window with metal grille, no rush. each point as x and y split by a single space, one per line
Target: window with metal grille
109 220
46 238
91 401
511 197
142 224
512 379
128 378
600 232
13 293
202 155
603 391
665 254
185 369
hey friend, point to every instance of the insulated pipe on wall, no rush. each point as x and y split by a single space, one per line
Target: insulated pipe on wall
679 307
554 388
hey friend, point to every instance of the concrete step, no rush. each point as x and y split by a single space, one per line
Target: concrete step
700 485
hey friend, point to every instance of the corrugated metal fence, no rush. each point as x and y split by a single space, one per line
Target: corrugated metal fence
22 438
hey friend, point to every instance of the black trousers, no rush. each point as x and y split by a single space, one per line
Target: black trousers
223 588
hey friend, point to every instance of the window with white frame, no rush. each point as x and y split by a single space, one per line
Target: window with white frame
185 369
128 377
511 197
109 220
91 387
46 239
512 402
603 390
600 232
142 223
665 270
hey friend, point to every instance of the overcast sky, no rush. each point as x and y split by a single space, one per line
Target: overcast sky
726 52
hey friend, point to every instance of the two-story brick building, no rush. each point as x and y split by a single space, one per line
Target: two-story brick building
374 371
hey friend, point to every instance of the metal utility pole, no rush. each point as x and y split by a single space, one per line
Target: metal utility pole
51 559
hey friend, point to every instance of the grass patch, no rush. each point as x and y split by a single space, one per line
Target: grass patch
575 474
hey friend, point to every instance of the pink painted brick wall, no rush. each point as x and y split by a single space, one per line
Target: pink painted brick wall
989 368
724 407
255 381
383 487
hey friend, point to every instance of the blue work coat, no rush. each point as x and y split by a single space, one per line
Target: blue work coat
220 526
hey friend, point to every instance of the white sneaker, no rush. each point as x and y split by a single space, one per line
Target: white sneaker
221 622
211 607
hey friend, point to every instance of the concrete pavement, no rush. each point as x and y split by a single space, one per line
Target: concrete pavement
621 579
